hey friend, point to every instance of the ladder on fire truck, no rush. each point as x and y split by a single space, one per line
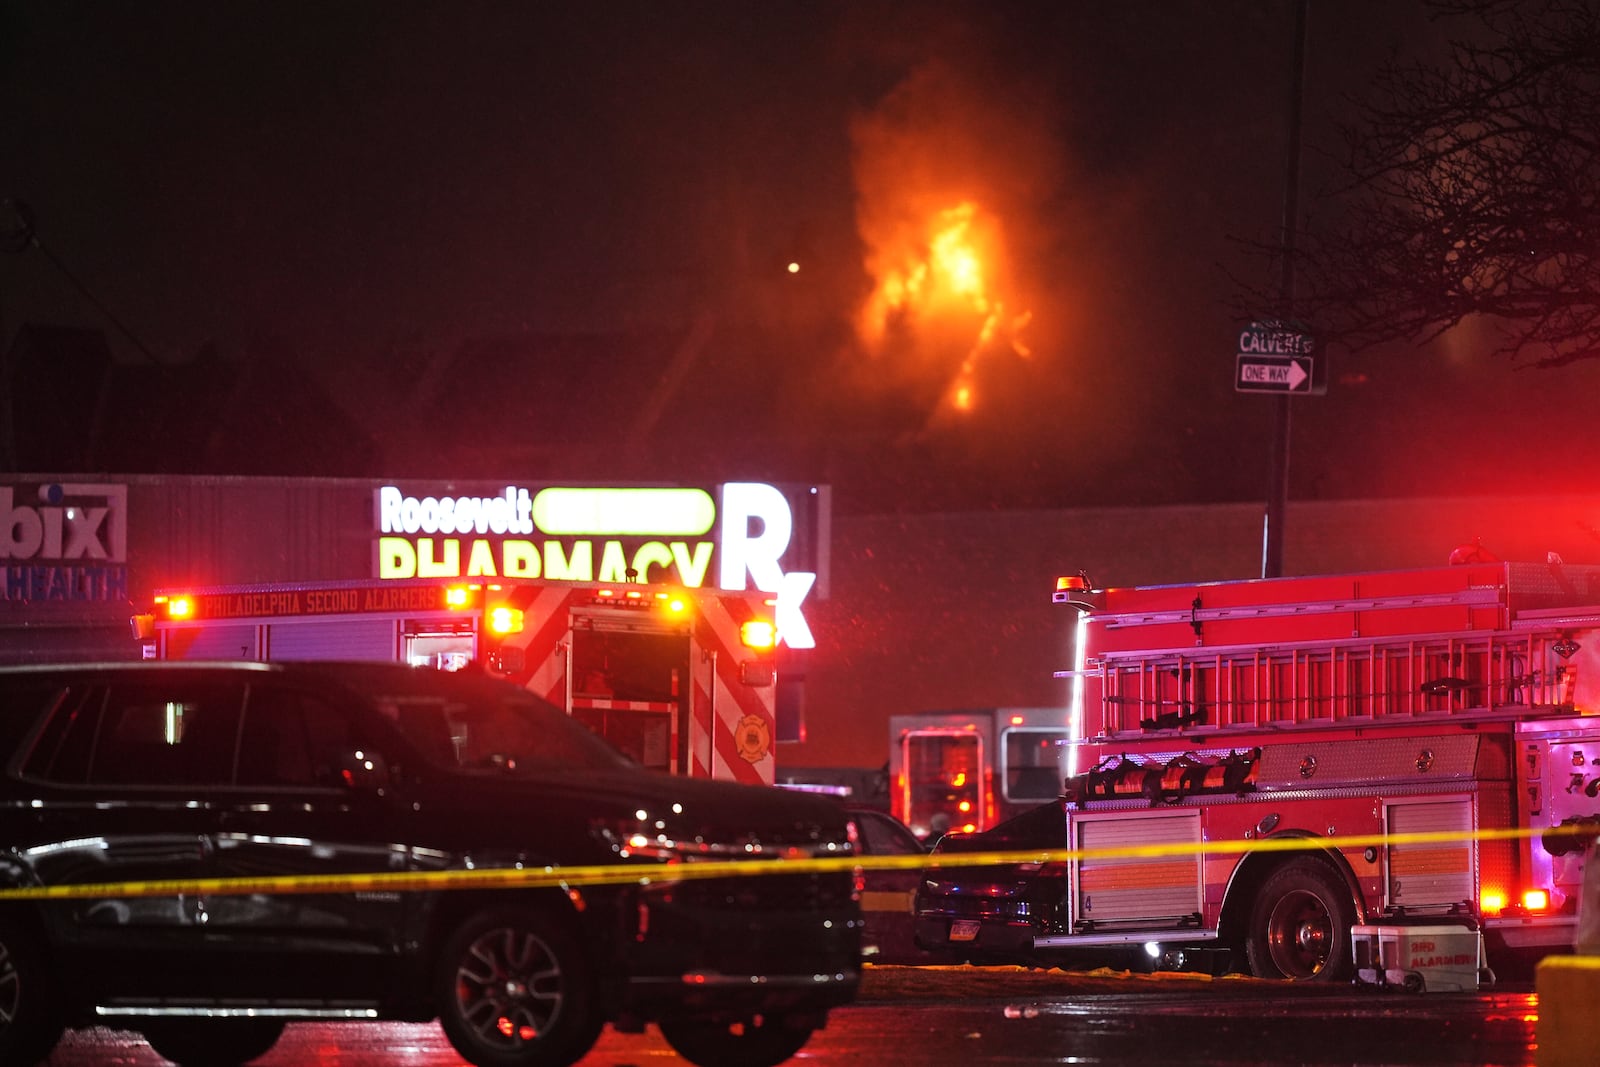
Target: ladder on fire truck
1471 674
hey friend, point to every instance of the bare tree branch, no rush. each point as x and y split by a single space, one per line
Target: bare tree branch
1472 189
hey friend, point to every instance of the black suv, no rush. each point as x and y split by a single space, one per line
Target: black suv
455 802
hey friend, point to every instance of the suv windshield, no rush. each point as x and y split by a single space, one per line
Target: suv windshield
492 733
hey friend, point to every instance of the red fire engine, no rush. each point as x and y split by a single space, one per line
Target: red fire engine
967 770
1310 770
681 679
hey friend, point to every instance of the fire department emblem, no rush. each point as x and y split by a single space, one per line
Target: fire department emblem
753 737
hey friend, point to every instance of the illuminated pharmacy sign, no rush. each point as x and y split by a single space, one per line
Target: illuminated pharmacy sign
736 537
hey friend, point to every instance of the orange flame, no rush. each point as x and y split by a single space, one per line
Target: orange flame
940 276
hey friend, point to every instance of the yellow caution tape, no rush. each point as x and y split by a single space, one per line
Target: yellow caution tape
670 873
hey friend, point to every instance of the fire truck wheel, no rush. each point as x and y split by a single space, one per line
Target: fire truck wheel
1300 925
759 1041
515 989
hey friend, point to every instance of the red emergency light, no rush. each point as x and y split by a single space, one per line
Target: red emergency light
1494 901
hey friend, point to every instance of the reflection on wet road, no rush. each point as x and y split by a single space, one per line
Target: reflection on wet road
920 1017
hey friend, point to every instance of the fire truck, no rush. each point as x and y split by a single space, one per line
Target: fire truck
1307 773
683 680
966 770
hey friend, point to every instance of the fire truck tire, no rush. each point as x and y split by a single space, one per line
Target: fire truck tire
1300 925
759 1041
516 989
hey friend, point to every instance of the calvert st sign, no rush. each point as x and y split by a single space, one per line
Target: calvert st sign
736 537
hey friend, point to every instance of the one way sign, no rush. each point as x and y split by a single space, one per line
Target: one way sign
1272 374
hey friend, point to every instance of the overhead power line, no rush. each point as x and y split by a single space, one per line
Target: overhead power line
23 235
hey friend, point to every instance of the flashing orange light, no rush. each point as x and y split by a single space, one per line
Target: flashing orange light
1071 584
676 605
1536 899
456 596
1016 720
1492 901
969 828
959 780
179 607
964 807
504 620
759 634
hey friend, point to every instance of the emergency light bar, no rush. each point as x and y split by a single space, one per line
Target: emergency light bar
669 603
1075 591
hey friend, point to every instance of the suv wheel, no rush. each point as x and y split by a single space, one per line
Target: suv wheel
212 1042
31 1020
515 990
759 1041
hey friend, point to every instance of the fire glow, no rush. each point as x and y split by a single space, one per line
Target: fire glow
938 277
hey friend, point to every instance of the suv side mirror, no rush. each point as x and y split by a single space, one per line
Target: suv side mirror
363 771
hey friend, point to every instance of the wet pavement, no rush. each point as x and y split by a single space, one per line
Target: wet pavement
932 1017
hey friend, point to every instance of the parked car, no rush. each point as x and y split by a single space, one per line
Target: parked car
888 892
989 914
118 776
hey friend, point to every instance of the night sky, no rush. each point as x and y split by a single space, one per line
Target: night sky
371 187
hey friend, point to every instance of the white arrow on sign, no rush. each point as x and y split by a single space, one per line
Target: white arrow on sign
1273 375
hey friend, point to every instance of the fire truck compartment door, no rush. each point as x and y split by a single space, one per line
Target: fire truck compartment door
1423 761
219 641
333 639
1161 887
1431 873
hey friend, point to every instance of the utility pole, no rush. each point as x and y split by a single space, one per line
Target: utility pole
1278 476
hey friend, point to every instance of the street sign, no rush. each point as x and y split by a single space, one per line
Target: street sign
1275 357
1271 338
1272 374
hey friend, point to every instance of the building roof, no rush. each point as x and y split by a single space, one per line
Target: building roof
68 405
